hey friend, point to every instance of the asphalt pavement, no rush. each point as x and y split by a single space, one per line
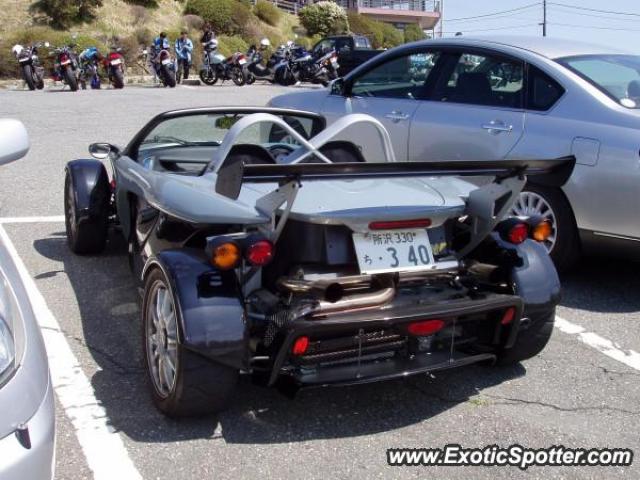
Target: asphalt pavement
582 391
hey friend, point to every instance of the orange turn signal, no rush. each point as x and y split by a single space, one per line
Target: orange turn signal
226 256
541 231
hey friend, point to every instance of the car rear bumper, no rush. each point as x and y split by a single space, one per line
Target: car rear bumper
29 454
375 345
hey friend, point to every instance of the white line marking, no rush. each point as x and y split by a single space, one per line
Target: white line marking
103 448
630 358
51 218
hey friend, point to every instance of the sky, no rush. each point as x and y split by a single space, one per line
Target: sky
563 21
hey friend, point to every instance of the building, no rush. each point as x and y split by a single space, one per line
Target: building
426 13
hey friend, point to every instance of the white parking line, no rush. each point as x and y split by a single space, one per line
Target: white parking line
103 448
51 218
630 358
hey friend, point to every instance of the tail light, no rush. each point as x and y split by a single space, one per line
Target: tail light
508 316
396 224
300 346
225 255
424 328
541 231
259 253
518 233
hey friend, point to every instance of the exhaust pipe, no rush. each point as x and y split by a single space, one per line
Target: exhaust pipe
355 302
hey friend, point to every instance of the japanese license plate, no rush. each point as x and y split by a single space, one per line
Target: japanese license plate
166 61
393 250
242 61
116 61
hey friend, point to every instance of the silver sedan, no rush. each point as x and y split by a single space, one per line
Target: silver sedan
27 426
513 98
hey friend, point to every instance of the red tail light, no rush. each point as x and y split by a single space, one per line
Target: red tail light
64 57
300 346
424 328
113 56
396 224
508 316
260 253
518 233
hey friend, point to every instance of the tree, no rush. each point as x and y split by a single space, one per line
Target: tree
324 18
413 33
62 14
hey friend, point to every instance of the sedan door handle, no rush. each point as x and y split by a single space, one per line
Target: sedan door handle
497 126
396 116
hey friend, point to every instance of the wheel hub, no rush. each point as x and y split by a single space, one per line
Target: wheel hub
162 339
532 204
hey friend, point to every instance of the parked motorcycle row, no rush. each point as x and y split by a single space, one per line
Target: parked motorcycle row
287 65
72 69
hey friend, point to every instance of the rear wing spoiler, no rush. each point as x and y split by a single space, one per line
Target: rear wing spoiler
232 174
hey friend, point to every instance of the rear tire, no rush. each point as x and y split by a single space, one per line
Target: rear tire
70 78
238 76
183 383
169 76
552 203
87 236
118 79
530 341
27 73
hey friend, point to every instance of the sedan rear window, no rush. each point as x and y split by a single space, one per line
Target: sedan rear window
616 75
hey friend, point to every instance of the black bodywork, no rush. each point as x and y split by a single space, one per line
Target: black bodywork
255 333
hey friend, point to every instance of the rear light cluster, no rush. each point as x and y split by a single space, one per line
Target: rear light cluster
517 231
396 224
226 254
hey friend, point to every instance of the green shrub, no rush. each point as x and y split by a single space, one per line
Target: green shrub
413 33
267 12
231 44
62 14
391 36
324 18
240 17
365 26
219 13
193 22
144 3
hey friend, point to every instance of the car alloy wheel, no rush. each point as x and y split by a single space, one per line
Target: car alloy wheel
162 339
530 204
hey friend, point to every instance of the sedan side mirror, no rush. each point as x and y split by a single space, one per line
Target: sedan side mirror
100 151
337 87
14 140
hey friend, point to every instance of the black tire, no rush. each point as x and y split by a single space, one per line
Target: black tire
118 79
179 73
39 83
251 78
83 84
88 236
27 73
70 78
169 76
533 336
238 75
200 386
208 77
566 250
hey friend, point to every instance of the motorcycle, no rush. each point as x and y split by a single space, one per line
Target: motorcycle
306 68
114 65
88 62
163 65
65 66
32 69
255 68
217 67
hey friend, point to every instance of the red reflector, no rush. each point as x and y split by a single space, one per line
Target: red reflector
508 316
260 253
392 225
300 345
425 327
518 233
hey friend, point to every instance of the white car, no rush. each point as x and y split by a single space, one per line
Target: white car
513 98
27 423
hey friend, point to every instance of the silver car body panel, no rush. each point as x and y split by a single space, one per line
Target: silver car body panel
604 190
